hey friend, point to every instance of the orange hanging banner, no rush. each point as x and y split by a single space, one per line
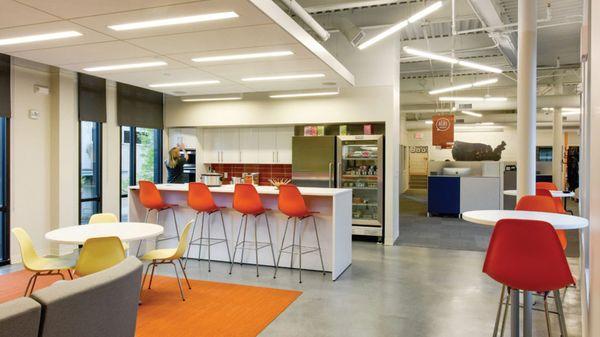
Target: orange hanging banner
442 131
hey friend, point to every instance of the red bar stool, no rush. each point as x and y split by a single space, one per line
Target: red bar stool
151 199
291 203
247 201
200 199
527 255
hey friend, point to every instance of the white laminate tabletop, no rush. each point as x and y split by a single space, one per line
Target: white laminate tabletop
311 191
555 194
126 231
558 221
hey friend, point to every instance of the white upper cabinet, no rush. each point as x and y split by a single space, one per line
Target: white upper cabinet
187 136
249 145
284 144
210 147
267 145
229 138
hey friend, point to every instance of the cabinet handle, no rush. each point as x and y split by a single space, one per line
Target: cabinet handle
273 157
278 156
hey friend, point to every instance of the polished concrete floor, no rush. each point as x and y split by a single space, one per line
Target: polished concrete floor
388 291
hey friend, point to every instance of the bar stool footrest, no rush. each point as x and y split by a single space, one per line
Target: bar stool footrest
250 245
213 241
299 249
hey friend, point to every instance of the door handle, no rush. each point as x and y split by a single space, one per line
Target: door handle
330 174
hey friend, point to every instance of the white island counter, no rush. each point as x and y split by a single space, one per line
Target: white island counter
334 222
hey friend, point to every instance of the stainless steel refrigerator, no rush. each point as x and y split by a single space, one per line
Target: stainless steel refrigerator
360 167
313 161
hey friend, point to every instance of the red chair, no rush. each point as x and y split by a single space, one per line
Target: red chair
291 203
200 199
542 203
543 185
247 201
527 255
151 199
557 202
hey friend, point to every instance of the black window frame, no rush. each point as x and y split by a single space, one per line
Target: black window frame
158 172
5 190
97 136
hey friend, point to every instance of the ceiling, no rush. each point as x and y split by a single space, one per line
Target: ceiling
257 29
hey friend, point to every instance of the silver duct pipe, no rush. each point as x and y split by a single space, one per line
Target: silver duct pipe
307 18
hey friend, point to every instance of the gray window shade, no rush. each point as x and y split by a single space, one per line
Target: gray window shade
91 93
4 85
139 107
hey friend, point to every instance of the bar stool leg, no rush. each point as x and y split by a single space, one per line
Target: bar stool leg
157 222
561 314
256 243
137 253
208 224
237 242
293 243
499 312
225 236
318 244
187 256
244 242
281 247
270 238
175 222
301 225
201 237
547 314
508 298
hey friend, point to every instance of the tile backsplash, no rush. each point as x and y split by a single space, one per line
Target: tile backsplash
266 171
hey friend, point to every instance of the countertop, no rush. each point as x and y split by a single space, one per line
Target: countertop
308 191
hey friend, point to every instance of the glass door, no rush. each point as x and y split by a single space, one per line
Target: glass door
4 200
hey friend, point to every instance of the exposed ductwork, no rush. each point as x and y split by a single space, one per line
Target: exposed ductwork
299 11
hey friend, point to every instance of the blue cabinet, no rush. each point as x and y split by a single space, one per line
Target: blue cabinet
443 195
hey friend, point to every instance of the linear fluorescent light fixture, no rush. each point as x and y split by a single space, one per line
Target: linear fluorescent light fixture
471 113
183 84
471 99
126 66
463 86
282 77
306 94
248 56
39 37
451 60
429 122
174 21
213 98
571 113
398 26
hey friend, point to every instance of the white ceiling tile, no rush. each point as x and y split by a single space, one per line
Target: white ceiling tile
269 68
89 36
69 9
88 53
16 14
253 36
248 16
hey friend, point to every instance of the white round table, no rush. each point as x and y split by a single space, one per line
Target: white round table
558 221
510 192
126 231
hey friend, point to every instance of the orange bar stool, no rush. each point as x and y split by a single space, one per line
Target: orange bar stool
527 255
200 199
151 199
291 203
247 201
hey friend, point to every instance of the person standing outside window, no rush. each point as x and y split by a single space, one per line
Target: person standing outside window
175 164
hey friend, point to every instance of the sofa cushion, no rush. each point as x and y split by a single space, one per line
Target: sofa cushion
97 305
20 318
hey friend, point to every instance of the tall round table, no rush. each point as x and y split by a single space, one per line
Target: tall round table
126 231
558 221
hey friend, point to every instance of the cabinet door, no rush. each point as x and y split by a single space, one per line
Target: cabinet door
210 148
229 138
249 145
267 145
174 136
189 137
284 145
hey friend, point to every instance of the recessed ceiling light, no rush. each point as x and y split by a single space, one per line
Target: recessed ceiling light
183 84
39 37
174 21
126 66
306 94
243 56
282 77
471 113
213 98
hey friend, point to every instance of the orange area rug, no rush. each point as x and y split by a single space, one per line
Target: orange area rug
210 308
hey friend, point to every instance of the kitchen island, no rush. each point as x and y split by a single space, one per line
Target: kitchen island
334 222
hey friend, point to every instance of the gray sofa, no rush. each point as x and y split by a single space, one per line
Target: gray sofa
102 304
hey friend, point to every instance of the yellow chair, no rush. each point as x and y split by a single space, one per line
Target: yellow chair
41 266
168 256
106 218
98 254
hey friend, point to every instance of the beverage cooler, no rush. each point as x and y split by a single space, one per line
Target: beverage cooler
360 168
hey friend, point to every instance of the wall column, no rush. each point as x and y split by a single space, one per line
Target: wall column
557 141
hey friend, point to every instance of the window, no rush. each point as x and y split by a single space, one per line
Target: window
544 153
90 168
141 158
4 188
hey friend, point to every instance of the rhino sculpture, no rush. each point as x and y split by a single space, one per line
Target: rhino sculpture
462 151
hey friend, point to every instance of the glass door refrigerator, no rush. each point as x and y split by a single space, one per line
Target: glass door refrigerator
360 168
